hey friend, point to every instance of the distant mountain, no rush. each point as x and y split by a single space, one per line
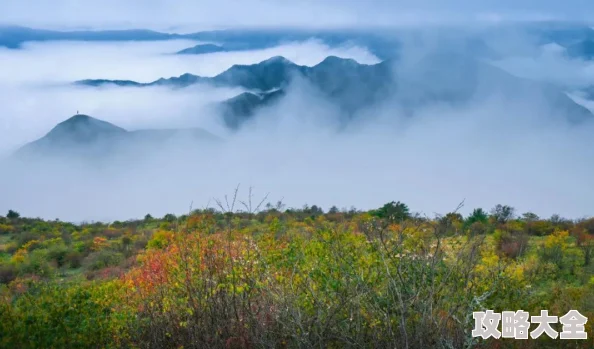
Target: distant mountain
448 78
350 85
15 36
85 136
242 107
440 78
202 49
230 40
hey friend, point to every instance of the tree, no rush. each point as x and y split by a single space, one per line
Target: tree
450 223
394 212
12 214
530 217
315 210
477 215
170 217
502 213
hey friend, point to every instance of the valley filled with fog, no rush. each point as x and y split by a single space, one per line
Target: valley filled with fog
420 143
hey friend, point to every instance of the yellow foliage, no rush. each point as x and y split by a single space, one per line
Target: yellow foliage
19 256
30 245
557 239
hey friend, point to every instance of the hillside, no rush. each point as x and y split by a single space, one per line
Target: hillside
218 279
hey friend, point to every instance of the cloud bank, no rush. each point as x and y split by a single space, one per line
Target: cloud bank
487 152
36 96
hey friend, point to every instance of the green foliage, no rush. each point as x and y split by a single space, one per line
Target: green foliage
63 316
502 213
295 279
395 212
160 240
12 214
102 259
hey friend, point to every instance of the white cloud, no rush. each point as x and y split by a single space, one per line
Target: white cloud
33 97
488 153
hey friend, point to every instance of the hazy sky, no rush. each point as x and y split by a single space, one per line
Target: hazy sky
202 14
488 152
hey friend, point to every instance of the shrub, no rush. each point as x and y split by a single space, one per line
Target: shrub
63 316
5 228
8 272
57 254
102 259
160 240
73 259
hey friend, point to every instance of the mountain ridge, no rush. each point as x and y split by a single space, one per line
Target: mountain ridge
444 77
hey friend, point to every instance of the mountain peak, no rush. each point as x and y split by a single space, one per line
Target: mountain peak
338 60
78 118
276 60
81 127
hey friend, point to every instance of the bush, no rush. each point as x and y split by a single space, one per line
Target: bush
5 228
8 272
511 245
68 316
57 254
102 259
73 259
160 240
36 263
24 237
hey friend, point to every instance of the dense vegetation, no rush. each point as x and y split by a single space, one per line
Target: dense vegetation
294 278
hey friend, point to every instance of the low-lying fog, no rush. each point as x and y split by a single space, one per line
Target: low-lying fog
486 153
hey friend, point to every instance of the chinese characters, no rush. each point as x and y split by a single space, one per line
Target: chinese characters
517 325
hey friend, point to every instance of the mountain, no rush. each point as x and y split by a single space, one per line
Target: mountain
14 36
84 136
202 49
230 40
347 83
238 109
439 78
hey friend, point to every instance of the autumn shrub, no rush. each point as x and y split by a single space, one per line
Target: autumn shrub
36 263
554 248
25 237
337 287
295 279
64 316
102 259
58 254
73 259
6 229
511 244
159 240
477 228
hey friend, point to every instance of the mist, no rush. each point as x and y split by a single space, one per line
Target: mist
489 151
36 91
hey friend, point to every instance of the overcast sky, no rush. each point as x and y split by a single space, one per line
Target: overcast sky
486 152
203 14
